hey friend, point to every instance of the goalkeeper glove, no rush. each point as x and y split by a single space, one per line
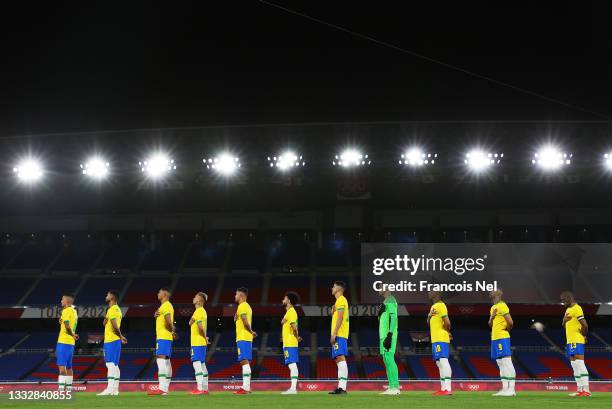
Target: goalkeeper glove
387 341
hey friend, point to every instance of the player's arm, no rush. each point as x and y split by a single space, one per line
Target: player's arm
584 327
432 311
509 322
169 323
69 330
246 324
446 324
492 317
338 325
201 329
294 329
117 331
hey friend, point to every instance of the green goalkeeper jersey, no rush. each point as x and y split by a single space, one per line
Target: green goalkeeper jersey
387 322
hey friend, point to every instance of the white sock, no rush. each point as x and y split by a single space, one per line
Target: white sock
246 377
204 376
68 379
445 372
197 369
162 372
117 377
510 372
502 374
342 375
576 375
441 375
584 374
168 374
110 375
293 373
61 382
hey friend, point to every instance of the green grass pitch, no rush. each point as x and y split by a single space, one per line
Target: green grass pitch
309 400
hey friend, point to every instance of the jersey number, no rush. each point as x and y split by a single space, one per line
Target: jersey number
438 349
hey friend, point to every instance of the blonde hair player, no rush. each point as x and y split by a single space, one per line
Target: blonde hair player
500 322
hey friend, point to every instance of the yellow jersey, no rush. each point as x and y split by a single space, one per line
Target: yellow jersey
341 305
289 338
199 315
241 333
161 332
113 313
436 323
498 331
70 316
573 327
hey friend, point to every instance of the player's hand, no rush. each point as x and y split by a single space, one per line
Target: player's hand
300 339
76 337
450 336
104 322
387 341
566 318
175 336
381 309
332 339
494 312
254 334
207 340
156 313
123 340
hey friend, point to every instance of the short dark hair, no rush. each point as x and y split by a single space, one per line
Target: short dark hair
166 289
293 297
243 290
340 284
67 294
203 295
114 293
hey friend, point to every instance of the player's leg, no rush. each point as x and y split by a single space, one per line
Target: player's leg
69 372
510 375
392 372
168 373
61 378
245 355
342 372
584 373
110 370
291 359
204 370
446 374
197 370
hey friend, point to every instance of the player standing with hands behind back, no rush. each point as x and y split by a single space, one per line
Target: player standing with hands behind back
244 338
500 322
387 334
576 329
339 335
165 334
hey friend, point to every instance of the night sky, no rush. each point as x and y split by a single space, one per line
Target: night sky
118 65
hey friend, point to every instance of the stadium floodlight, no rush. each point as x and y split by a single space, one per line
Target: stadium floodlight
157 165
479 160
28 170
95 168
350 158
225 164
415 157
551 158
286 160
608 160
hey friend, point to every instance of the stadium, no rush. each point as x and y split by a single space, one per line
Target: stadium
406 263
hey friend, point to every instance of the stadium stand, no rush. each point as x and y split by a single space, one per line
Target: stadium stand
143 290
545 364
374 368
273 367
424 367
17 366
327 369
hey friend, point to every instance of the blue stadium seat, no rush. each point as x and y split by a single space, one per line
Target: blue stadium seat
17 365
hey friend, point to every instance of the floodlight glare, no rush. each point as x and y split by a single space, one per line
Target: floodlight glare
157 165
28 171
478 160
415 157
286 161
351 158
551 158
95 168
608 160
224 164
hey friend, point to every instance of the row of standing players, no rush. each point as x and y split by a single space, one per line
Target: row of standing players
500 322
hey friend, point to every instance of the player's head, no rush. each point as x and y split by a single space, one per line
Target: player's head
496 296
163 294
291 299
200 298
434 296
112 295
67 299
567 298
241 294
338 287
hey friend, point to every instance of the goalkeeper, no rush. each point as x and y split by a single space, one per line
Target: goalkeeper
387 333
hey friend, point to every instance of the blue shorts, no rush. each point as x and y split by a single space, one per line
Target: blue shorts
439 350
163 347
198 353
500 348
340 348
245 350
291 355
574 349
112 351
63 355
